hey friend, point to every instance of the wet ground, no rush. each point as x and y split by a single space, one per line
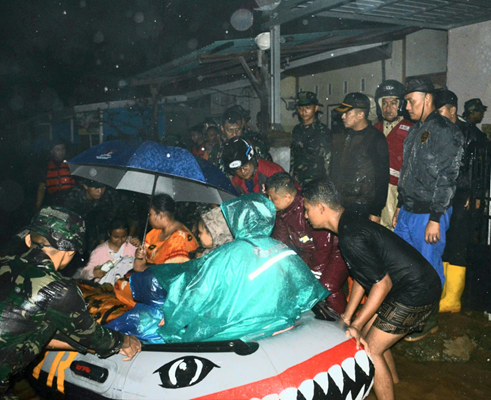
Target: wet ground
454 363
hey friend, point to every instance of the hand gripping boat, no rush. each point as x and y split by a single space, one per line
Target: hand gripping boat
313 360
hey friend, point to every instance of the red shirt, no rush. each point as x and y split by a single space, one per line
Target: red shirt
395 140
263 171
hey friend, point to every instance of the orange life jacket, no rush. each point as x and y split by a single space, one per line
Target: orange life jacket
58 177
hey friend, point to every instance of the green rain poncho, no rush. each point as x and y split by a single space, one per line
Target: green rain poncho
246 289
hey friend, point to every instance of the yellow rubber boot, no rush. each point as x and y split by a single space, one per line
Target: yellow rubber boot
444 290
455 284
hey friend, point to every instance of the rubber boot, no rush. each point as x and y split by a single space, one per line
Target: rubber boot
430 327
455 283
444 290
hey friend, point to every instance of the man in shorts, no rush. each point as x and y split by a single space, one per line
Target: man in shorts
403 288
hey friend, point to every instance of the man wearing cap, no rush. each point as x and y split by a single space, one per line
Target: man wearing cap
454 256
98 204
389 97
362 173
311 146
432 154
56 179
474 113
39 307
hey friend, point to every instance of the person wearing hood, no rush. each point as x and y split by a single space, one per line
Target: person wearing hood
213 230
249 288
389 97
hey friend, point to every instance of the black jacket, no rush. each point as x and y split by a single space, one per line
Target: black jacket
361 174
431 160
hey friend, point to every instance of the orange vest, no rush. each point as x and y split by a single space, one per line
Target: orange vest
58 177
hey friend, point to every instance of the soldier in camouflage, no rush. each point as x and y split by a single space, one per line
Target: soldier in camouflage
39 307
234 124
311 142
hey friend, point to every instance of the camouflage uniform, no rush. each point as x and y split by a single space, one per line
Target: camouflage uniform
310 152
37 304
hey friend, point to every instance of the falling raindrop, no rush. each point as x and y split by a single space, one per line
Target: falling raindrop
16 102
139 17
305 22
98 37
83 3
242 19
192 43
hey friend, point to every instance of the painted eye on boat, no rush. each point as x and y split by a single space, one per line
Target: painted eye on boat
184 372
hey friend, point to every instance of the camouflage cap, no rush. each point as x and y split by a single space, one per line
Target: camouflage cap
62 228
307 99
474 105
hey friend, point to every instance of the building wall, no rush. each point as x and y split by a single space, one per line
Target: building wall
426 53
469 64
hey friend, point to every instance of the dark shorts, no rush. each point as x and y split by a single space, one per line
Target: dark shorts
397 318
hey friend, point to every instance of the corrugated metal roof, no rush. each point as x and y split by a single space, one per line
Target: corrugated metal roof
221 58
435 14
192 61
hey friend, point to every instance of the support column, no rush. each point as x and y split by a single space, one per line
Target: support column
275 98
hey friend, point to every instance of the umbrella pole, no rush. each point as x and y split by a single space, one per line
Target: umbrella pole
149 208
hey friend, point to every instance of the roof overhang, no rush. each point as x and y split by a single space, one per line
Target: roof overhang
431 14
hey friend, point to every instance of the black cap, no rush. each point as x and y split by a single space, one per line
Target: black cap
354 100
94 184
474 105
419 84
443 97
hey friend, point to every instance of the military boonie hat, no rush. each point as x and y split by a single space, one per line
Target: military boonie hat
62 228
474 105
419 84
444 97
354 100
307 99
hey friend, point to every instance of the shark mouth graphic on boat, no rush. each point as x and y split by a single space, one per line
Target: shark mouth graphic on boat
342 378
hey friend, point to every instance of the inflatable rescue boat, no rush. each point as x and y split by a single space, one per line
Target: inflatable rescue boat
312 360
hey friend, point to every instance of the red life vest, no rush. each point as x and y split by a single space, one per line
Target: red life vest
58 177
395 140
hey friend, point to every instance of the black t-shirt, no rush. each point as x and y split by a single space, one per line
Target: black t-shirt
372 251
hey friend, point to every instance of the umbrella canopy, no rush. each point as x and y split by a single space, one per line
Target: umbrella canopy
135 166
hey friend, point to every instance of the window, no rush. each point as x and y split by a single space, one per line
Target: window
362 85
345 87
329 89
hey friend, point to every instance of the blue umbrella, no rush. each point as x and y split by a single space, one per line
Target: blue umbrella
152 168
